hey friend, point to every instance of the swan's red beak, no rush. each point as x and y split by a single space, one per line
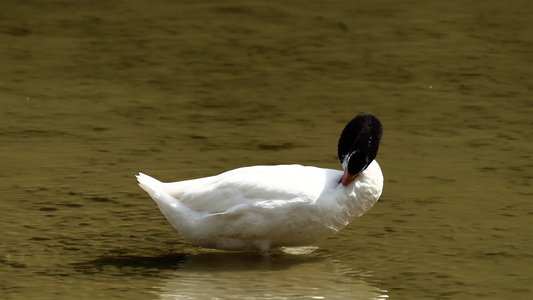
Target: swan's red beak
347 177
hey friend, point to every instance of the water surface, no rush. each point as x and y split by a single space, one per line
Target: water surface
93 92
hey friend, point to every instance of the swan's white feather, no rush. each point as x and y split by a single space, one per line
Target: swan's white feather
264 206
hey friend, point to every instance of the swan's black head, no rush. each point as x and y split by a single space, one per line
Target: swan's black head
358 145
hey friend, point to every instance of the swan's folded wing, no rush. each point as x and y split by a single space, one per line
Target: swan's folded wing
221 193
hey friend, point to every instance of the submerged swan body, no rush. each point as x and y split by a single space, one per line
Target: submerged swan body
263 207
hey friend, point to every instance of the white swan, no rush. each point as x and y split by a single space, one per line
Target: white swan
263 207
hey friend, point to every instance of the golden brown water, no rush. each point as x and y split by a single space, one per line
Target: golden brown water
93 92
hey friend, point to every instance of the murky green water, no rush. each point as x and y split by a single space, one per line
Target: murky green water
93 92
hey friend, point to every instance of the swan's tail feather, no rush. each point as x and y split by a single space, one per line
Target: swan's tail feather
151 185
177 214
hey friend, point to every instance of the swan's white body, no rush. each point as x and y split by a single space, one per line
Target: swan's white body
263 207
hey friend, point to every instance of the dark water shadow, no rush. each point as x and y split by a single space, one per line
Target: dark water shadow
215 261
125 265
169 261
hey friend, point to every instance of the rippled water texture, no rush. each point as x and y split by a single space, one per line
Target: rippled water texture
92 92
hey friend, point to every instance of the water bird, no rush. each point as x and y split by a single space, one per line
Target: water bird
263 207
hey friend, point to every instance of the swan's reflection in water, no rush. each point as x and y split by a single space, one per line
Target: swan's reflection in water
286 275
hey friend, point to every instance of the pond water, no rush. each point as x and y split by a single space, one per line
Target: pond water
93 92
